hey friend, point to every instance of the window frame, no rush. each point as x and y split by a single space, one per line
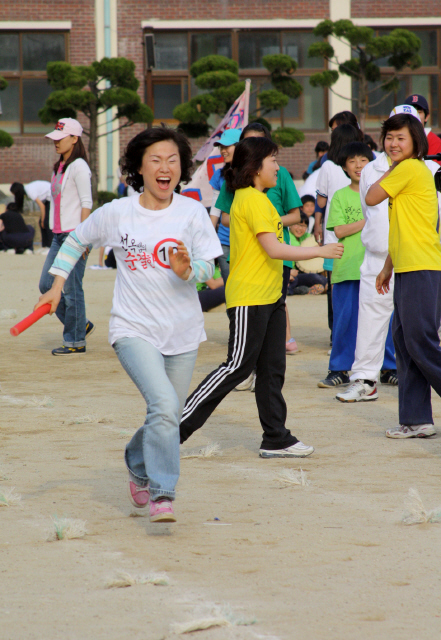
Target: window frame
152 76
406 74
21 75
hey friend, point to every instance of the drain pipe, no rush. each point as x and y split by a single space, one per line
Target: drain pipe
109 124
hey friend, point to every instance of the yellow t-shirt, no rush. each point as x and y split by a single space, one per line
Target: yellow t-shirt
254 278
414 242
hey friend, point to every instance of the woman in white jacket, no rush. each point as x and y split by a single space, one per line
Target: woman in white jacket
71 203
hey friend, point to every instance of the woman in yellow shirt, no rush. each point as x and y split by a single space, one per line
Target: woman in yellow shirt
415 255
255 306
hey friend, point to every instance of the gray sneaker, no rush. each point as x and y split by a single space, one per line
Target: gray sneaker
297 450
414 431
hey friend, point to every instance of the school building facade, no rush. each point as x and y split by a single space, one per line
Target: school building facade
34 32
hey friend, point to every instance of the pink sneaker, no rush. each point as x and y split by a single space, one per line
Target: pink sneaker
138 496
162 511
291 347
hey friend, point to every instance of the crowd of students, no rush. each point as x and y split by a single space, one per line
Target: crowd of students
166 247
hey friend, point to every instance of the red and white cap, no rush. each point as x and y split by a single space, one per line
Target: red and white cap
65 127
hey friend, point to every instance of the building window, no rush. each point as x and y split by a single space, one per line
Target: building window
23 60
424 81
170 82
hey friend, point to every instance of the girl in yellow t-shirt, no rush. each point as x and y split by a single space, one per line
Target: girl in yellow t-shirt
415 255
255 306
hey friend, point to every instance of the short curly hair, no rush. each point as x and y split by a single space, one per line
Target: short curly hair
132 160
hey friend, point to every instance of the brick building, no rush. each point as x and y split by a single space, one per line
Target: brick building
83 30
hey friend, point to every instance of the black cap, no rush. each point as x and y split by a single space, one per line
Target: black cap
418 101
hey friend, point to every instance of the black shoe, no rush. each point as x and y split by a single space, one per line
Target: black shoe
389 376
68 351
299 291
334 379
90 328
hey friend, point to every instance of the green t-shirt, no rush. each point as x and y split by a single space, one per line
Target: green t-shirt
200 286
283 196
346 208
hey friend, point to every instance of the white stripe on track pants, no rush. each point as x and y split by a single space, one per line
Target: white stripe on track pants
257 341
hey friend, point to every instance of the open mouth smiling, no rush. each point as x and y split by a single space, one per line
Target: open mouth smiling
163 183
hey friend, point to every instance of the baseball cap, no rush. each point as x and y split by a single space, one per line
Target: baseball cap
65 127
405 108
418 101
229 137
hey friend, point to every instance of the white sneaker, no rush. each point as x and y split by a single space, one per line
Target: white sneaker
297 450
28 252
359 391
247 385
415 431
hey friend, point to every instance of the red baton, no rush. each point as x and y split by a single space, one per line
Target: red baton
30 320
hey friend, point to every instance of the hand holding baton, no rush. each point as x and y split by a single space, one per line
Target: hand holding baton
30 320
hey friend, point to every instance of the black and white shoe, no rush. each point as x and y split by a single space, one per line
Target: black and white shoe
334 379
389 376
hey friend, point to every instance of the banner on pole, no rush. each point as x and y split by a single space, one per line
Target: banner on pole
237 118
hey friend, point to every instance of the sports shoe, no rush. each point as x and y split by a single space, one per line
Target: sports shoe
162 511
297 450
299 291
291 347
68 351
389 376
138 496
90 328
334 379
359 391
414 431
249 384
316 290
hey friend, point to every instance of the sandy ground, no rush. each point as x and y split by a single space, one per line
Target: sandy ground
331 560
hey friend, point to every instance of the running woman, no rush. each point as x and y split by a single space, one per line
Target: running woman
163 243
255 305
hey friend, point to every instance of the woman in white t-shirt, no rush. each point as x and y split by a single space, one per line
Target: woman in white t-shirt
163 243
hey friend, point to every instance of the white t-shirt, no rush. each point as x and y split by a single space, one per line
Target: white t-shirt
150 301
40 189
309 187
331 178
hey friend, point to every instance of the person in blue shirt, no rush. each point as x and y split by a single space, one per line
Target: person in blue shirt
227 143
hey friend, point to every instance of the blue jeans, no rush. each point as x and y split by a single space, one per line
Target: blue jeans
72 309
152 455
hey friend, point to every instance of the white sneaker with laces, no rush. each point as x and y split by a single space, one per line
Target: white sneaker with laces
414 431
359 391
248 384
297 450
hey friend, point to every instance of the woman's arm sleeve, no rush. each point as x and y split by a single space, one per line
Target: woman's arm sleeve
70 252
202 270
84 187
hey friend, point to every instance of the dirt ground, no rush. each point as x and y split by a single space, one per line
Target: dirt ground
331 560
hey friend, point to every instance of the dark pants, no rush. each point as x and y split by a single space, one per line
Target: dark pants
285 280
306 280
17 241
257 341
46 232
330 309
211 298
417 313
